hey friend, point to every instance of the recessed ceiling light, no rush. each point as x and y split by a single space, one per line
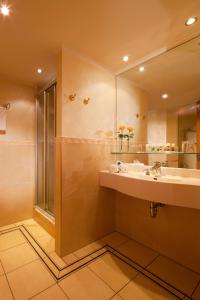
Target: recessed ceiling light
165 96
39 71
125 58
141 69
4 9
190 21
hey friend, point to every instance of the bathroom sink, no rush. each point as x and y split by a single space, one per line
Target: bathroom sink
167 189
165 178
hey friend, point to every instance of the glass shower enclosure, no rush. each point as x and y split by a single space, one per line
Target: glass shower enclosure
45 150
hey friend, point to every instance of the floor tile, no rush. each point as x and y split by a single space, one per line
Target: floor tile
26 222
175 274
1 269
29 280
18 256
196 294
5 293
47 243
11 239
113 271
116 297
89 249
35 229
51 266
85 285
70 258
33 243
142 288
6 227
52 293
137 252
115 239
163 284
78 265
99 252
57 260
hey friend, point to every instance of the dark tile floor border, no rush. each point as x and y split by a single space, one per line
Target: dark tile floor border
62 272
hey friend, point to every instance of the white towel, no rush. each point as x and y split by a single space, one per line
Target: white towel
3 114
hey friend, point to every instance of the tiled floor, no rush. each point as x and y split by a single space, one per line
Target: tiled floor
112 268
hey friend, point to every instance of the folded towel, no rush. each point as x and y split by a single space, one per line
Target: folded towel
114 168
3 115
118 167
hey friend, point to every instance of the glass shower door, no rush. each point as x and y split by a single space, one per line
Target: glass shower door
45 152
40 157
50 148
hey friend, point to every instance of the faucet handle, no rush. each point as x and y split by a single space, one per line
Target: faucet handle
147 172
165 164
157 164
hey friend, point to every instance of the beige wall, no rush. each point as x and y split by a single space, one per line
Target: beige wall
95 120
162 129
157 131
172 137
132 100
174 232
17 153
84 212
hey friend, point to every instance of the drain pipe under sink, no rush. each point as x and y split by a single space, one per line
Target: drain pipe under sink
154 208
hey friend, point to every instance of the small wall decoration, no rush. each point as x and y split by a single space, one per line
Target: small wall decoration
72 97
86 100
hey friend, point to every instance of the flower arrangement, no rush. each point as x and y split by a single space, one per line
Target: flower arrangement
125 132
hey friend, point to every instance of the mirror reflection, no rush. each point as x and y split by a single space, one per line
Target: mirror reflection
158 109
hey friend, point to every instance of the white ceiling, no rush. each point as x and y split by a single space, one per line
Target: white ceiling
103 30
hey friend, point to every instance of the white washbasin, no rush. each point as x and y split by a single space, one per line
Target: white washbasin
168 189
165 178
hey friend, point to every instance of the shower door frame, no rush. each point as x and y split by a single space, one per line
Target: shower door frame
44 210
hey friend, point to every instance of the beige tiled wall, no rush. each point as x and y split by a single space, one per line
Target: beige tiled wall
174 232
17 153
85 79
84 212
87 210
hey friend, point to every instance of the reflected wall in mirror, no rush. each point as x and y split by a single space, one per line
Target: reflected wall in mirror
160 100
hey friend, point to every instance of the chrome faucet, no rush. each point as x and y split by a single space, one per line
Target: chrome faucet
156 169
165 164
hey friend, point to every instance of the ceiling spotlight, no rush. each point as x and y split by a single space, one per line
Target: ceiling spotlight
164 96
4 9
39 71
141 69
191 21
125 58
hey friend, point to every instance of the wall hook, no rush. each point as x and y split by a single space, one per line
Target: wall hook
86 100
72 97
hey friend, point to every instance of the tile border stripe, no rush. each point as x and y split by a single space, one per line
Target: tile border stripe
68 269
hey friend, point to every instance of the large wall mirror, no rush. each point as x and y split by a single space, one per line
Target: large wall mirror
158 109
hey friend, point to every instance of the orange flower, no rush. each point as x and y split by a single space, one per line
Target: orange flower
122 127
130 129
